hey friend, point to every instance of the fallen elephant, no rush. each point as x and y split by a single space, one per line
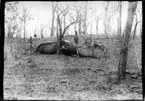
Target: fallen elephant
46 48
50 47
87 52
68 48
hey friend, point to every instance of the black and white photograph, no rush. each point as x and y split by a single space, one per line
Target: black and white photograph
72 50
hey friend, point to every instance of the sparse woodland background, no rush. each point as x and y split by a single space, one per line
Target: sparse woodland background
57 76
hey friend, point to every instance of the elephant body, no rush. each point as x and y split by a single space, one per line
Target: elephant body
47 48
69 48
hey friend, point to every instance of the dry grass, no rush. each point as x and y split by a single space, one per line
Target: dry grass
52 77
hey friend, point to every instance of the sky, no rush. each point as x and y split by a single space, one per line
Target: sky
42 14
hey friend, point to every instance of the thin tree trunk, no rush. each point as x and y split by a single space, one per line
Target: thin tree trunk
124 51
59 34
105 27
118 26
24 18
91 27
79 26
58 39
97 20
141 27
24 30
85 14
120 19
134 32
140 23
52 26
140 14
105 22
75 27
64 22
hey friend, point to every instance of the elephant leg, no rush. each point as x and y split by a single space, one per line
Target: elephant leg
77 52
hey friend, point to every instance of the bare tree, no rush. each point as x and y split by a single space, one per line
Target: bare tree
119 29
85 18
140 14
25 18
119 19
105 21
81 10
53 17
136 23
12 20
42 31
124 50
11 17
97 21
60 30
91 24
79 15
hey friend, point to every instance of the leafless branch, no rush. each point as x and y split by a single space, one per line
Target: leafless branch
130 44
69 26
138 11
71 16
62 11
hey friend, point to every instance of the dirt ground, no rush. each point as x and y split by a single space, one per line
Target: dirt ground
52 77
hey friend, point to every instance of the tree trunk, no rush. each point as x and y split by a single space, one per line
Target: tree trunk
64 22
141 24
52 26
124 51
105 22
85 19
97 20
141 33
118 26
120 19
9 35
58 46
58 40
75 27
134 32
121 37
105 28
42 34
91 27
59 33
79 26
24 30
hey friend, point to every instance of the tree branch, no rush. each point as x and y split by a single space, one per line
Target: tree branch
63 10
69 26
130 44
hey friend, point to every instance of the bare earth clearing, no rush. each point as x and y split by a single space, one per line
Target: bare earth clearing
62 77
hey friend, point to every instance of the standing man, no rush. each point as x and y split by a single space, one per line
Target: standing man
76 37
31 42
